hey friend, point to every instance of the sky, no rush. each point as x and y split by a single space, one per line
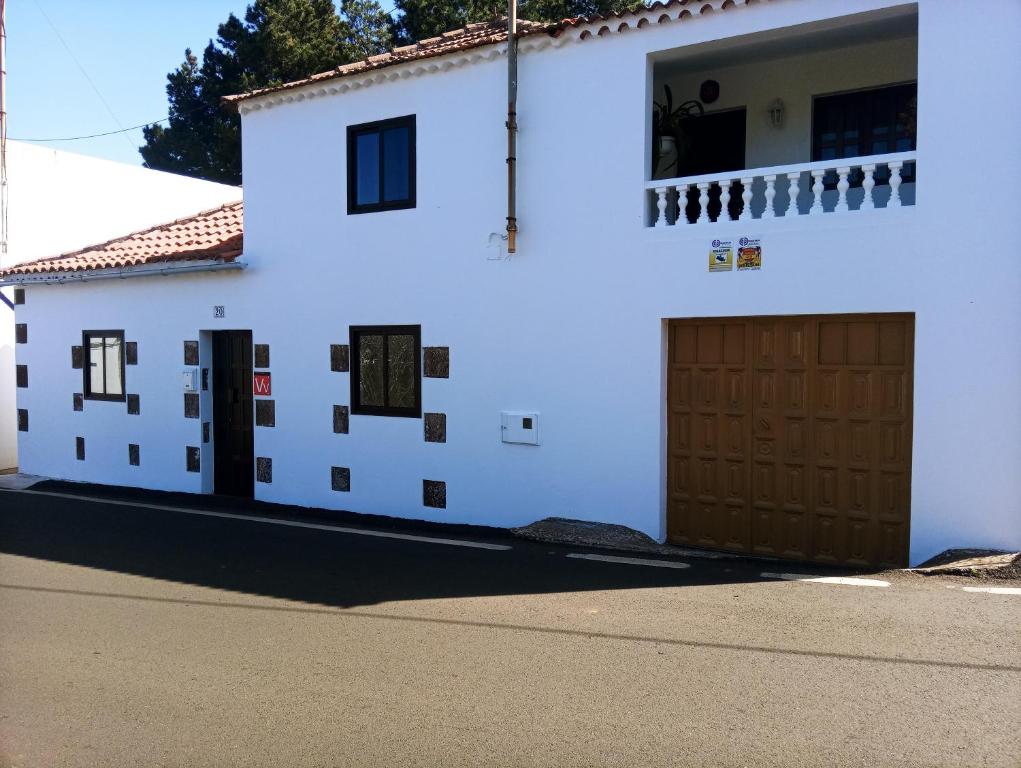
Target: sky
126 48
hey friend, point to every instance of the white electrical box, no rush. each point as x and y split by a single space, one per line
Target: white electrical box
188 379
520 427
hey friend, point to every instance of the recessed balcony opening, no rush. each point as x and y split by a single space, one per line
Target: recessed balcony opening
803 121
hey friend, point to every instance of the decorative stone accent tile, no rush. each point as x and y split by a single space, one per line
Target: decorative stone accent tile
134 406
437 363
205 379
262 355
340 479
205 432
22 420
77 357
19 295
21 333
191 458
79 401
263 469
191 353
436 427
191 405
79 448
21 376
131 353
341 419
133 455
434 494
265 413
340 358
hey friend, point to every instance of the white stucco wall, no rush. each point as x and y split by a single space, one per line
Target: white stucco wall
571 326
61 201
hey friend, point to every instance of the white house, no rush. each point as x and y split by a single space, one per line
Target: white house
832 376
59 201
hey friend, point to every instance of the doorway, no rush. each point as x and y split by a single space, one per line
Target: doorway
715 144
233 438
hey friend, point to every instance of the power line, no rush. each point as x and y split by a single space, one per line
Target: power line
85 74
97 135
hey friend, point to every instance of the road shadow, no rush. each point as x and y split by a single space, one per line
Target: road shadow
328 568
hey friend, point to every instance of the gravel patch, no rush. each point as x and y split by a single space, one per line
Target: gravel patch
561 530
977 563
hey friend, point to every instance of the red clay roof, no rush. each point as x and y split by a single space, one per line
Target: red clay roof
216 234
471 36
485 33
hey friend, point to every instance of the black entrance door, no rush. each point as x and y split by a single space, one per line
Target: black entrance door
232 413
715 144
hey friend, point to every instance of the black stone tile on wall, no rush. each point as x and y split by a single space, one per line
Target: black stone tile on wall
340 358
341 419
79 448
21 333
19 295
131 353
79 401
435 427
265 413
437 363
77 357
262 355
264 469
205 431
134 405
340 479
191 353
133 454
191 405
191 458
21 376
22 420
434 494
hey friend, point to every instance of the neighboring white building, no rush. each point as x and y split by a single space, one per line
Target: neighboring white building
60 201
846 393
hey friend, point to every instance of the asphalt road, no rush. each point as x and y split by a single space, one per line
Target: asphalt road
134 636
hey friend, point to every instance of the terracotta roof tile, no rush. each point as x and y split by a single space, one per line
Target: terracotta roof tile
481 34
216 234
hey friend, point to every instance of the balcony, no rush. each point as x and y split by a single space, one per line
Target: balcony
786 191
809 121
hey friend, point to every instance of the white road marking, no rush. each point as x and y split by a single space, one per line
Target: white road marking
850 581
995 590
630 560
275 521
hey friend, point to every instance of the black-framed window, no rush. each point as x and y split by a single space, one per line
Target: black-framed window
386 370
381 165
104 365
877 121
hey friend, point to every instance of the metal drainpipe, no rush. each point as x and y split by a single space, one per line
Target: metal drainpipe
512 124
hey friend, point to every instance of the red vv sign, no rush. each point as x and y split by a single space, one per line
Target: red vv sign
261 385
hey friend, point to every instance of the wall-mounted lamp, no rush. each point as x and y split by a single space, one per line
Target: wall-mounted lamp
776 113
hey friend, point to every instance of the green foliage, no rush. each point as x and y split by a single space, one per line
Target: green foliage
278 41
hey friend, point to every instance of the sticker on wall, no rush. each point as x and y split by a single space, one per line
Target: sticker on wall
261 385
749 254
721 256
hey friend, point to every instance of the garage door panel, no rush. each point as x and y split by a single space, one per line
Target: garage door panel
799 429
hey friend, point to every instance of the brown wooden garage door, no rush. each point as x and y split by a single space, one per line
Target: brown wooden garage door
791 436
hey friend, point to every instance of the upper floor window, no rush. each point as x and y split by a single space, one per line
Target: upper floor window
381 165
386 370
104 364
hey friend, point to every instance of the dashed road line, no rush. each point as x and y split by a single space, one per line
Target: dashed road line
850 581
995 590
278 521
629 560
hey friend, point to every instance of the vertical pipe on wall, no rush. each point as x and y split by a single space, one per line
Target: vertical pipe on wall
512 124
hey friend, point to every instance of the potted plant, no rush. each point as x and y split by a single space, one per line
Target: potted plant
669 141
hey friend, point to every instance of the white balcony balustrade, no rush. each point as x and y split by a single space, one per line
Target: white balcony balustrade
845 185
